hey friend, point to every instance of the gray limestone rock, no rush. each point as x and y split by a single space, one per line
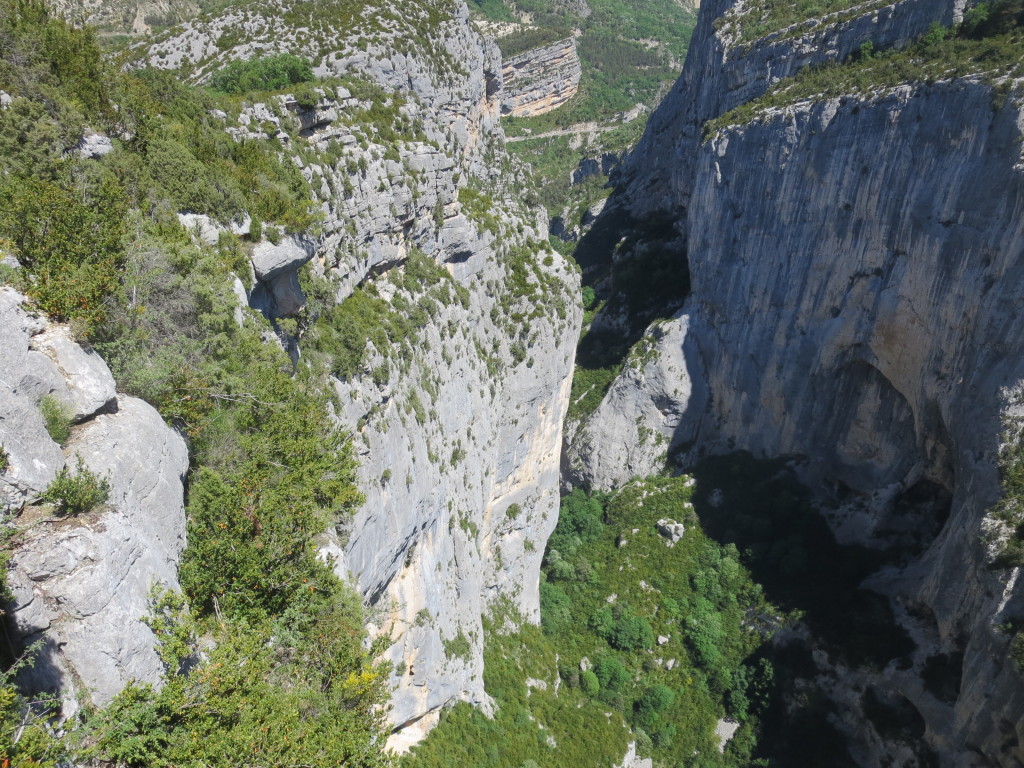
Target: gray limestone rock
864 314
80 584
654 406
673 532
276 265
540 80
87 385
33 458
94 146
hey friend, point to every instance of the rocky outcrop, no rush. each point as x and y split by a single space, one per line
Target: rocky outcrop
135 17
81 584
540 80
721 74
602 165
458 429
854 273
649 411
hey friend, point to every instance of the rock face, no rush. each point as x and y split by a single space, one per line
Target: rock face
127 16
720 74
81 583
602 165
540 80
854 290
649 410
458 428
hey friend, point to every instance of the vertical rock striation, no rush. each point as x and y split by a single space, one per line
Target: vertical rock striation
855 284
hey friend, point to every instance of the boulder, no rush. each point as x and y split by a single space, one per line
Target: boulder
85 580
672 531
88 386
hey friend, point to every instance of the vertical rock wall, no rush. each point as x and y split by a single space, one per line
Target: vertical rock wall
459 432
855 284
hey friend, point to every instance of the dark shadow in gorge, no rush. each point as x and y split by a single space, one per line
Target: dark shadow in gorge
760 506
639 270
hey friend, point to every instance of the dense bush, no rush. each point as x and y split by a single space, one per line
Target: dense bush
267 73
317 701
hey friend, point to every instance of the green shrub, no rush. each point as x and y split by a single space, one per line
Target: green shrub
74 494
70 238
316 700
458 647
56 418
555 608
1017 650
269 73
631 633
5 459
611 673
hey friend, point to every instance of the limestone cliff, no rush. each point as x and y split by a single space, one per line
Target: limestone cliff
854 290
540 80
458 431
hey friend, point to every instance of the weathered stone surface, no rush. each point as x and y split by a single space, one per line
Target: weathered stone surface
94 146
671 530
540 80
601 165
33 458
87 385
271 259
654 406
85 581
633 760
720 75
277 292
864 315
81 584
127 16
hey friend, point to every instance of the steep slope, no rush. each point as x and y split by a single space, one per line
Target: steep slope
80 584
852 249
461 420
368 224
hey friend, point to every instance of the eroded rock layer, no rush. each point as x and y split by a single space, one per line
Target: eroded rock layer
540 80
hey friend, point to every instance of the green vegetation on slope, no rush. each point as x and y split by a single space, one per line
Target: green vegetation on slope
763 17
613 591
990 43
761 508
264 661
68 218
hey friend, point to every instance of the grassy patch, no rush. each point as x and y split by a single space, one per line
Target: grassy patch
634 632
56 419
